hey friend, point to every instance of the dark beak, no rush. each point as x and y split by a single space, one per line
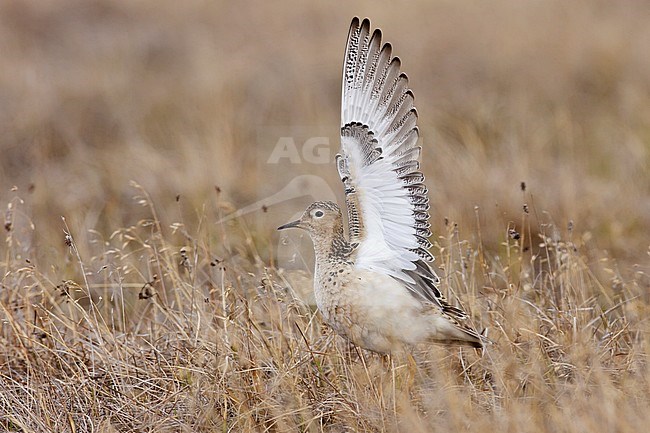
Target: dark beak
292 224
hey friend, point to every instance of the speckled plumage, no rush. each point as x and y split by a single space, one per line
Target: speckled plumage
376 288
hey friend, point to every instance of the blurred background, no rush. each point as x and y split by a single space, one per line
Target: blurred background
210 106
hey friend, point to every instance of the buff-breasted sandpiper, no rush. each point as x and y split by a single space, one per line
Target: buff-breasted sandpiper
375 286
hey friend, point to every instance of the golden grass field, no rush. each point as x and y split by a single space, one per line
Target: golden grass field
130 129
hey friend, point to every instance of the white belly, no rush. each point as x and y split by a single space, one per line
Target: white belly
373 310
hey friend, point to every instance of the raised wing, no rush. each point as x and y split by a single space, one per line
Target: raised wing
387 199
385 192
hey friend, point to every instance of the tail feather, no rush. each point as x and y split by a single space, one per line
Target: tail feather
448 331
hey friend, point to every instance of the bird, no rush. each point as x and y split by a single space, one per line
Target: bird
373 285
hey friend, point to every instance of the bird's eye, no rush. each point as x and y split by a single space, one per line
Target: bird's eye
318 214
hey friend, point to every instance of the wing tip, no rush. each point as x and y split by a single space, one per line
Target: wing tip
365 23
355 25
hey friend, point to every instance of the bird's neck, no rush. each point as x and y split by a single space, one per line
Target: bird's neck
332 246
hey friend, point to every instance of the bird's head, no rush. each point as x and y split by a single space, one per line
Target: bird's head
320 218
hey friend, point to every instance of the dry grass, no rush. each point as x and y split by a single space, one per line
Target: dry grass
138 312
